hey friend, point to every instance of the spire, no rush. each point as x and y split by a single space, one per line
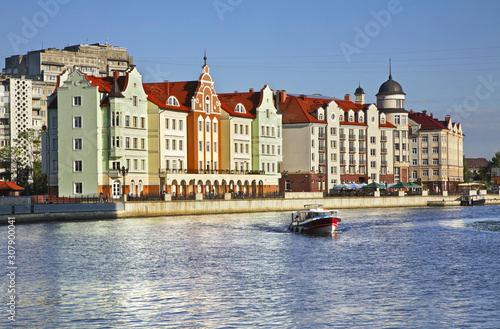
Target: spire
205 58
390 69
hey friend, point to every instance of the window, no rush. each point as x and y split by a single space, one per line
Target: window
215 147
135 101
127 142
373 152
77 100
200 146
373 164
207 127
143 143
435 150
208 146
435 161
78 188
77 122
435 138
424 139
240 109
172 101
425 173
167 123
143 123
77 144
215 127
414 150
135 122
127 121
180 145
77 166
415 162
54 143
143 164
425 150
181 125
200 126
397 119
135 143
207 104
435 172
135 164
373 139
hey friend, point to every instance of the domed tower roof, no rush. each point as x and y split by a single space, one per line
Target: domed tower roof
359 91
390 87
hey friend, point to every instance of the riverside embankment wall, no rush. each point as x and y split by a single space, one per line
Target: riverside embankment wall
48 212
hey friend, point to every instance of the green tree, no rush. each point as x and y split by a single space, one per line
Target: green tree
467 173
23 163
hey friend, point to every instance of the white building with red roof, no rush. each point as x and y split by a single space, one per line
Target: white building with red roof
436 152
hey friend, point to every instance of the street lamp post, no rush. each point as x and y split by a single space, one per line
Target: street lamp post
124 172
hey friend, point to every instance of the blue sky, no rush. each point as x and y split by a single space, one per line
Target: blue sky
445 54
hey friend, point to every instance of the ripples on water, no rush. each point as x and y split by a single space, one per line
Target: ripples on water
385 268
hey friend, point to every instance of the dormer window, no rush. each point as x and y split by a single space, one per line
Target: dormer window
351 118
361 118
172 101
382 119
320 116
341 117
240 109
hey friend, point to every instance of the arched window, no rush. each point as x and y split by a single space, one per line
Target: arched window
172 101
207 104
240 109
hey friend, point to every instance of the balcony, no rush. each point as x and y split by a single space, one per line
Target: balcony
352 150
383 163
342 149
383 150
342 136
383 139
362 137
362 150
362 162
352 163
343 162
352 137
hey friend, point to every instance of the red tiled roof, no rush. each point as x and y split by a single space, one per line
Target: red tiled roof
250 100
387 125
476 162
348 105
10 186
298 109
427 122
159 93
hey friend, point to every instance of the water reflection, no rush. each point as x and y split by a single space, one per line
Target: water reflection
414 267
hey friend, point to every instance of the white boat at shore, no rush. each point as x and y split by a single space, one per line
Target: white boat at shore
314 219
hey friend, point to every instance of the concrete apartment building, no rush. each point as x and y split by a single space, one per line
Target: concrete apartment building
44 66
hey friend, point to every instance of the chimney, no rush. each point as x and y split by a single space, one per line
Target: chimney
116 74
251 90
347 97
432 116
280 96
447 117
424 112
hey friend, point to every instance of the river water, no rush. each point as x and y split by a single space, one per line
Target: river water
385 268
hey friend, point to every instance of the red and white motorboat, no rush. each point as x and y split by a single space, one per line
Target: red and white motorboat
314 219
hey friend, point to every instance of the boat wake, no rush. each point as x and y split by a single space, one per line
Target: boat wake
492 226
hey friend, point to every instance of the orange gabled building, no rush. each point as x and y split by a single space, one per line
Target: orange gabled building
203 126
